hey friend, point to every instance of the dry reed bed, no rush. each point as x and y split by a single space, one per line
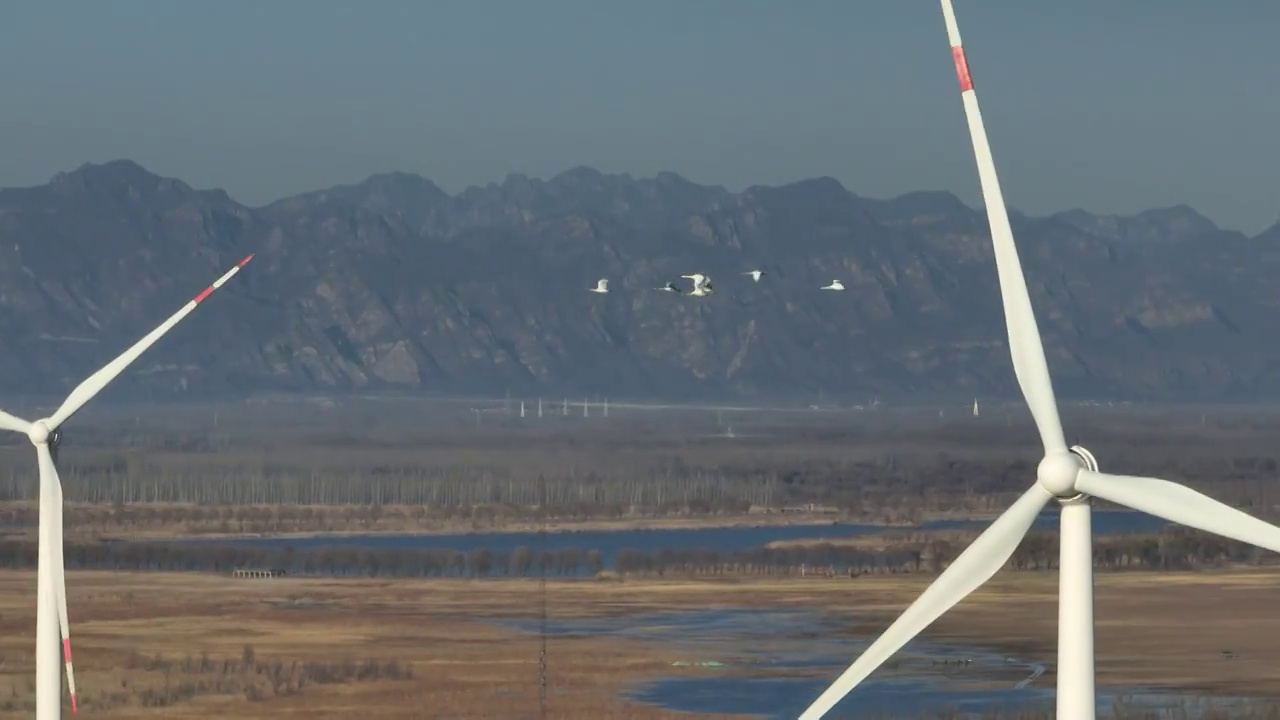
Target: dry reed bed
436 652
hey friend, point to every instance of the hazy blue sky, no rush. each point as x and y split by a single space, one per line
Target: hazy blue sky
1110 105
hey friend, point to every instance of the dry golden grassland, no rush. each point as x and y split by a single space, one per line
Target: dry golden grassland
169 645
461 665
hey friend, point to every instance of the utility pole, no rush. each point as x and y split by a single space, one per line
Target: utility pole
542 593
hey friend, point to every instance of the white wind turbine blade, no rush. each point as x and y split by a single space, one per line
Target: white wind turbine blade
94 384
57 564
970 570
1180 504
1029 364
11 422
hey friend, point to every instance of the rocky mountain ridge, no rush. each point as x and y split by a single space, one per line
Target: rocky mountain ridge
392 285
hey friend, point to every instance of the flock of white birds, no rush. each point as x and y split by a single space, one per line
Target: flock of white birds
702 284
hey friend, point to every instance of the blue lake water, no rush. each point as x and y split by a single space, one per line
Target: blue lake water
772 663
720 540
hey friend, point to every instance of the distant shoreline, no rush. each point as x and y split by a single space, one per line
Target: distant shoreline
395 525
559 527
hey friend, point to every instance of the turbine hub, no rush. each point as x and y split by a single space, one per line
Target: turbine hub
39 433
1057 473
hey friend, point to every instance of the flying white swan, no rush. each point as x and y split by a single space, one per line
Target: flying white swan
756 275
669 287
701 284
602 286
835 285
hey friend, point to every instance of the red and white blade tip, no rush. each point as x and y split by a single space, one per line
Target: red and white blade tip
957 47
218 283
71 677
962 69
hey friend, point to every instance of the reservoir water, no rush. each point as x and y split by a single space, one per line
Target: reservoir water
720 540
773 663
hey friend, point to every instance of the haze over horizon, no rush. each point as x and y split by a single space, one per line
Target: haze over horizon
1087 104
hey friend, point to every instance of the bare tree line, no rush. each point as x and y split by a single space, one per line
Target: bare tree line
1173 549
871 473
894 489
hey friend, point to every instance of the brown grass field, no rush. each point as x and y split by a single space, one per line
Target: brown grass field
1164 630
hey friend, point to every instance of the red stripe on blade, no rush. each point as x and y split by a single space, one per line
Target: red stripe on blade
75 706
66 650
245 261
207 292
962 69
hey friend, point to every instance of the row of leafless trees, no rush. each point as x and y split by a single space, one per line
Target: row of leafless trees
875 472
1174 549
327 503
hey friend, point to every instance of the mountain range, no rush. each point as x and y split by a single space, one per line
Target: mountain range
393 286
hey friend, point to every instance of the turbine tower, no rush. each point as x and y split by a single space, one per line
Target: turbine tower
52 628
1068 476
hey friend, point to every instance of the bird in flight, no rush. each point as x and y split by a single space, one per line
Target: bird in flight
602 286
701 284
835 285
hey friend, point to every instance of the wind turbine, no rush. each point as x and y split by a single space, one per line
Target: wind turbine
51 583
1068 476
